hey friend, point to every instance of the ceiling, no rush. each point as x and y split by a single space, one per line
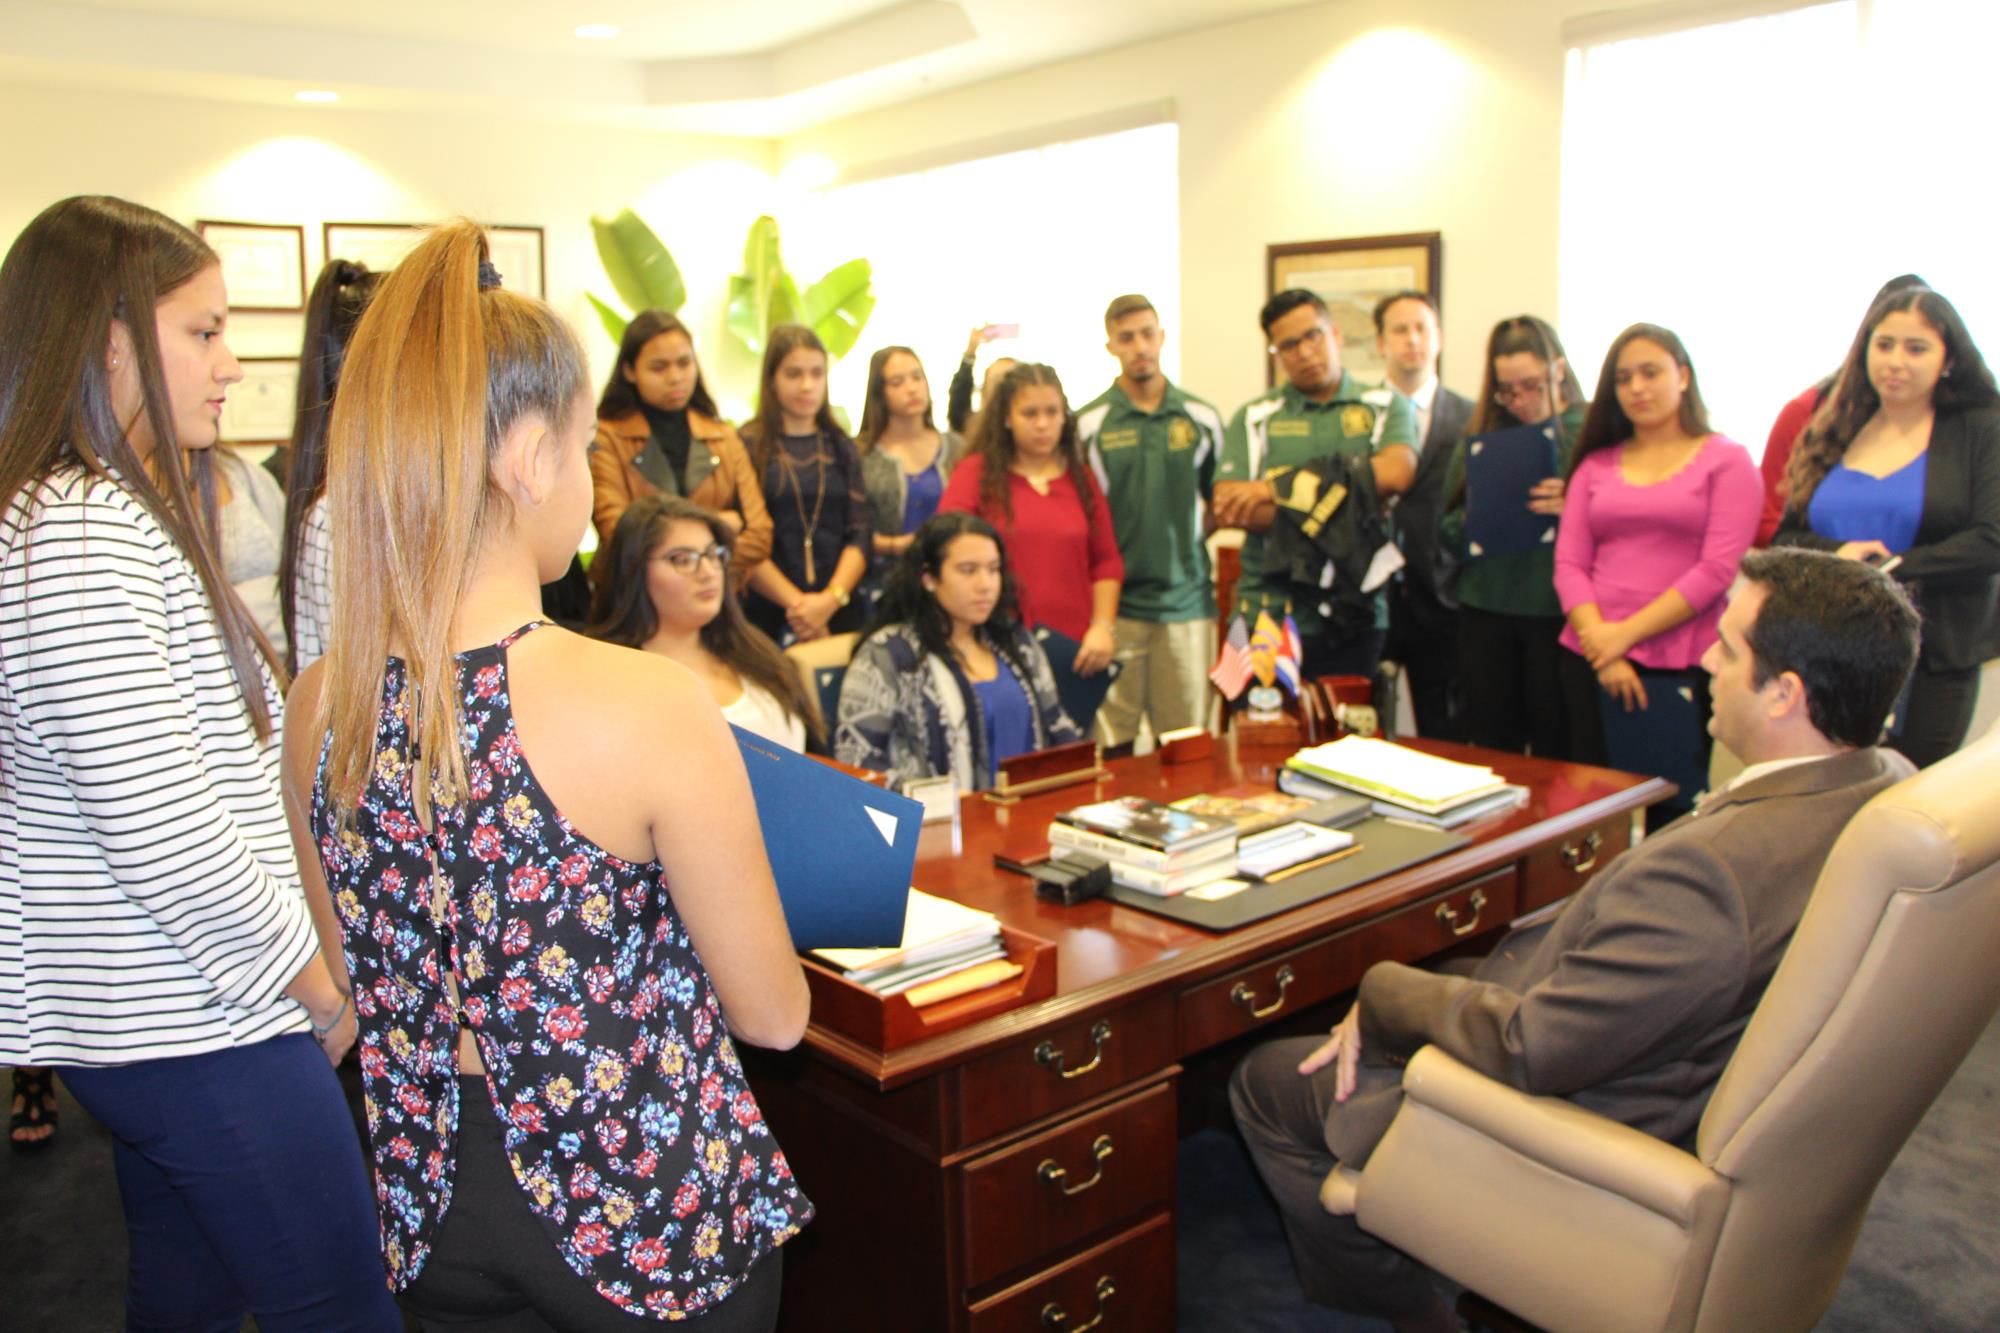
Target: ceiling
747 67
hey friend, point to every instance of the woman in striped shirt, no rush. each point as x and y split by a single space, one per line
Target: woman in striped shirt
154 941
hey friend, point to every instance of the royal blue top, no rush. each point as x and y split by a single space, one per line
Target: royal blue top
921 496
1850 506
1010 722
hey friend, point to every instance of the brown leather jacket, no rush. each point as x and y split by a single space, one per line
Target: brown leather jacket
719 474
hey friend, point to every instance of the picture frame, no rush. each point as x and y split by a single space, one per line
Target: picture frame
518 252
263 263
1351 276
261 408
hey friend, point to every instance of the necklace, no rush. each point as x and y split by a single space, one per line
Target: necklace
811 525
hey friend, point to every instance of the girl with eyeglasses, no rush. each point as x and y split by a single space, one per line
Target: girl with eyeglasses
665 589
1902 461
1509 617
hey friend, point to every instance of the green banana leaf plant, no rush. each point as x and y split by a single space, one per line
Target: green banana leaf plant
641 270
764 296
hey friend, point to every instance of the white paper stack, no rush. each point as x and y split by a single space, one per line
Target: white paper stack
1394 775
940 938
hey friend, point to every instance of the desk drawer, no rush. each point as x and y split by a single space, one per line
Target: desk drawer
1038 1196
1558 870
1266 990
1059 1067
1127 1284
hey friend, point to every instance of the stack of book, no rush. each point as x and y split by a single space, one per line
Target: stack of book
1150 847
1403 783
941 939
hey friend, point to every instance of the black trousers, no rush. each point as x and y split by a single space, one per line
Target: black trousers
1423 636
493 1269
1283 1118
1359 655
1939 711
1510 670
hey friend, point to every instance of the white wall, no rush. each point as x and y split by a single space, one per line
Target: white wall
1358 118
197 159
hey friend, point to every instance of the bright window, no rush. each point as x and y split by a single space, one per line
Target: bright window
1044 239
1751 184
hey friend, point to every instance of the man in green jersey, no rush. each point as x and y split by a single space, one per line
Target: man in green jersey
1153 447
1319 412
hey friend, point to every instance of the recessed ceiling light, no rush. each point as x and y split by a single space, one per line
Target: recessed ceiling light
315 95
596 31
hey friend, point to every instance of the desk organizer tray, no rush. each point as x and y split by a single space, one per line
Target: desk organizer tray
1387 846
890 1022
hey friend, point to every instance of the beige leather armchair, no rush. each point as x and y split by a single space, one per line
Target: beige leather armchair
1574 1222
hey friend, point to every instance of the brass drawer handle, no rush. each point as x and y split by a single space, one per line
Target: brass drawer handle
1047 1056
1448 917
1053 1316
1051 1174
1243 997
1581 856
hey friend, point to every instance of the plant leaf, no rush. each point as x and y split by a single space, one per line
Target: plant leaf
614 323
638 264
838 305
784 308
753 292
744 319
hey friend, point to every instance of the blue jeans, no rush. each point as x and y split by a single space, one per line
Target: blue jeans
244 1192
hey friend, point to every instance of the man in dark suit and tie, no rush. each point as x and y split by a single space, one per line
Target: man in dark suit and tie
1631 1000
1423 615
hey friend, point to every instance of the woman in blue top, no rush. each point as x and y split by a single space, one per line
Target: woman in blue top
1902 461
947 682
542 852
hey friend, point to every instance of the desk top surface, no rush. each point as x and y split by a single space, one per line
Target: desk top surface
1106 951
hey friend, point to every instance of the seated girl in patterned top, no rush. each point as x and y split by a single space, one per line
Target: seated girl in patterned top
542 851
947 682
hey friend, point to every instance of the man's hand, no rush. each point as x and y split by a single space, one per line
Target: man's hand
1243 504
1343 1051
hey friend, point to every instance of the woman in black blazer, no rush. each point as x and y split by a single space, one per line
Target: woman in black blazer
1902 463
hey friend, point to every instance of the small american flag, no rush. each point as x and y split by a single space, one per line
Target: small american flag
1231 672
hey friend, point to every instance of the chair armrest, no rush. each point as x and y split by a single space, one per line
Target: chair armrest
1562 1136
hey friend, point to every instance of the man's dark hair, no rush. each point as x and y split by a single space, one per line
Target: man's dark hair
1845 629
1382 306
1127 305
1285 302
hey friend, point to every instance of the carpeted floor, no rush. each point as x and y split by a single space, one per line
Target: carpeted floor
1929 1257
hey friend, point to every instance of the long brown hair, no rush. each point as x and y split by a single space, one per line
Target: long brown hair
1854 401
80 266
622 611
875 414
439 370
1606 424
761 432
621 396
1537 337
993 441
339 295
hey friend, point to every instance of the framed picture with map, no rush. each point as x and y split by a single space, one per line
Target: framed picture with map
1351 276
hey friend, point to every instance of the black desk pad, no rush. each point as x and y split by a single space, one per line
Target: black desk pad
1386 846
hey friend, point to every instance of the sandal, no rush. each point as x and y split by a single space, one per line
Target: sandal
34 1107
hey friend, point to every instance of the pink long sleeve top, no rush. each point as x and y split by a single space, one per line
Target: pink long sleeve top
1622 545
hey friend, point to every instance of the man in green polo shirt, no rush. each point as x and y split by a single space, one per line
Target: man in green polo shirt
1319 411
1153 447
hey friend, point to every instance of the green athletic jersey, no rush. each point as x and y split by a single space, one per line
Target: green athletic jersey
1156 469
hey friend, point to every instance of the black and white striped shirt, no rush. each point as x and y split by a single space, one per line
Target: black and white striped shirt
312 587
149 900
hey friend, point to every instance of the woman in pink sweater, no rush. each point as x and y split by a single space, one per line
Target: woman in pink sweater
1658 512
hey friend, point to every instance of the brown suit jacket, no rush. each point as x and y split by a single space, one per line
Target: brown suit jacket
1632 999
719 473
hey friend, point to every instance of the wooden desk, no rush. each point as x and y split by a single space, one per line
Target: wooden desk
1013 1173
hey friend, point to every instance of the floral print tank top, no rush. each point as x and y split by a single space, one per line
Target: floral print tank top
631 1129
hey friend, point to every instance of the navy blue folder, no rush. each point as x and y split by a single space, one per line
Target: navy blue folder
1664 738
841 850
1500 469
1081 696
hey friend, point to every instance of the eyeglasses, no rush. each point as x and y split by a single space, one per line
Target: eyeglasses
1312 337
1521 389
686 559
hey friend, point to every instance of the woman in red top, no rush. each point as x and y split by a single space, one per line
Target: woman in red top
1026 476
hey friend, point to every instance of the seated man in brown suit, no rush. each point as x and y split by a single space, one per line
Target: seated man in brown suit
1632 998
